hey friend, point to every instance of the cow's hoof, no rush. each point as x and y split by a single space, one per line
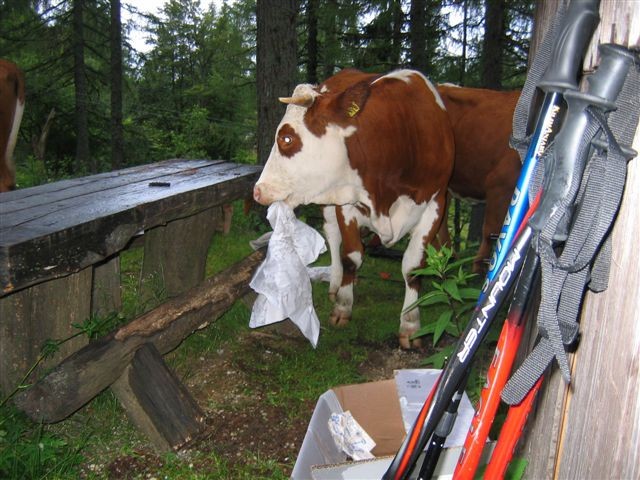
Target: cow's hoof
407 344
339 318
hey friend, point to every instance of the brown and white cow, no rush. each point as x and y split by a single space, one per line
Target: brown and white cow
11 108
378 150
486 169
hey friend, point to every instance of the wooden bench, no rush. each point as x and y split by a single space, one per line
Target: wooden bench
60 246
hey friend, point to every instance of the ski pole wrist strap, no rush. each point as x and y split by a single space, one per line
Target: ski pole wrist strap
584 223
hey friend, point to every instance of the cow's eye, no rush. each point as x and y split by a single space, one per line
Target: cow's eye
289 142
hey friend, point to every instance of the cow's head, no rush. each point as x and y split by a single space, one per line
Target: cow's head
309 161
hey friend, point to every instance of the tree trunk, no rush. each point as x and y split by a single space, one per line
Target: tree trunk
331 41
397 40
81 96
39 143
276 66
117 134
418 35
493 44
463 56
312 41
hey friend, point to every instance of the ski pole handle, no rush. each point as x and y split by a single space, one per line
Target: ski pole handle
608 80
603 89
577 28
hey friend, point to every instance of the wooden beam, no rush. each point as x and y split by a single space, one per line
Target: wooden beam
157 402
95 367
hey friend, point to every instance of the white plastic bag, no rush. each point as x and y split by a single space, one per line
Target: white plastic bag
282 281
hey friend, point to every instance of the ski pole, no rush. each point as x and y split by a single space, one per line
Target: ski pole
500 366
603 88
456 368
577 27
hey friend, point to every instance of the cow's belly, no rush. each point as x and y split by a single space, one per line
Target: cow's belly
404 216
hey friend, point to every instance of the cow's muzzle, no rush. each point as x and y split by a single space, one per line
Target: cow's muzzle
259 196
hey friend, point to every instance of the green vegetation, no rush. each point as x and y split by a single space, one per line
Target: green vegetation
450 289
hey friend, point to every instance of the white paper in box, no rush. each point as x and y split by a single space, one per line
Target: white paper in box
383 409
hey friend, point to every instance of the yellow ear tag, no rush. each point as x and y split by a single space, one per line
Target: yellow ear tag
353 109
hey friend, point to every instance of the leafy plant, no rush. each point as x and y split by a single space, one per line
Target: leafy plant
451 290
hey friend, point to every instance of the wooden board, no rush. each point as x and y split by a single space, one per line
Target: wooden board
34 316
56 229
175 254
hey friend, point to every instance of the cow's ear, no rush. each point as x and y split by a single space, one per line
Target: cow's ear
353 99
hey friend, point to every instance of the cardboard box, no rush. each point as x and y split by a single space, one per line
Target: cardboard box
379 407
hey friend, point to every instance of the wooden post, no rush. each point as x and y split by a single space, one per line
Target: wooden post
155 400
105 294
175 254
33 316
591 429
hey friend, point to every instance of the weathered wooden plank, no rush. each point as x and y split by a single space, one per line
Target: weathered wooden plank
619 23
175 254
78 207
68 239
105 291
90 370
157 402
32 317
69 188
605 398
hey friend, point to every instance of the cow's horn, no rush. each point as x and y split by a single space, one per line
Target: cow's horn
300 100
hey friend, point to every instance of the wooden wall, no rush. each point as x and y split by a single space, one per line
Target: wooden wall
592 429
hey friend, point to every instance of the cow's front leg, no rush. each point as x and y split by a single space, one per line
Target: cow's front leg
334 240
350 261
412 259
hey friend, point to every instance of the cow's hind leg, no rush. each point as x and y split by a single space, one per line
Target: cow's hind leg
351 260
413 257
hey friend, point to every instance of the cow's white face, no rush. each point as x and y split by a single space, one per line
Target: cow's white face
305 168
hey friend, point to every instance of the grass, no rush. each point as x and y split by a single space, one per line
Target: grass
100 431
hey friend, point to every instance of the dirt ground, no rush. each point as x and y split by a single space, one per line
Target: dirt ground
218 382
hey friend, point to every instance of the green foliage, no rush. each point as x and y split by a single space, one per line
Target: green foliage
29 450
451 290
97 326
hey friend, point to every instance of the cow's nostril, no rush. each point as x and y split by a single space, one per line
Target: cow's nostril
257 194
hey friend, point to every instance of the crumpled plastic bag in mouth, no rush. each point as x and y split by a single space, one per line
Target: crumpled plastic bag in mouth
283 280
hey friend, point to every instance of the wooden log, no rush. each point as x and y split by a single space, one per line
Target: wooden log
92 369
157 402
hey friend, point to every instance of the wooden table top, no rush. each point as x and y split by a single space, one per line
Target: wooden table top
59 228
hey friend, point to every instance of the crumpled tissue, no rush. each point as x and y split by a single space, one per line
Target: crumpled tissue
283 281
350 436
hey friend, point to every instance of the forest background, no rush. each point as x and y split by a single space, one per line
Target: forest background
208 82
